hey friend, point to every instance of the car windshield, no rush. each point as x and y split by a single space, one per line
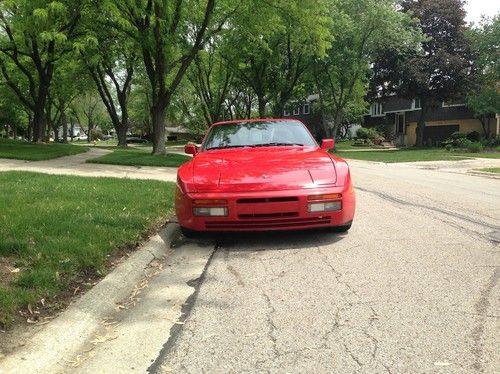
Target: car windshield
258 134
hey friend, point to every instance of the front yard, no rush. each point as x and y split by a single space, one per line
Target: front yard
56 229
413 155
140 157
20 150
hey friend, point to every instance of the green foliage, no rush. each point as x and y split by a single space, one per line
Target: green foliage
96 134
367 133
360 29
474 136
475 147
485 40
114 214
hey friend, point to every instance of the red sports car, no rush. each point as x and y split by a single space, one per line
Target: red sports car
265 174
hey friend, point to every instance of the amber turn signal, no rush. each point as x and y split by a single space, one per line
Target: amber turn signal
331 196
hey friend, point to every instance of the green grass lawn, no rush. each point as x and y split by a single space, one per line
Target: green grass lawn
413 155
491 170
349 144
21 150
56 228
139 157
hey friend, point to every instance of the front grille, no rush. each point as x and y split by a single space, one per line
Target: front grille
268 200
268 223
268 215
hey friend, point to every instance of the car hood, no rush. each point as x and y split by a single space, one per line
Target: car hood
262 169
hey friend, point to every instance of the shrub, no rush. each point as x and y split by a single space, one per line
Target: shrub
475 147
474 136
462 143
366 133
96 134
457 135
491 142
448 147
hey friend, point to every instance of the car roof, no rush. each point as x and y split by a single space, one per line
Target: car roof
256 120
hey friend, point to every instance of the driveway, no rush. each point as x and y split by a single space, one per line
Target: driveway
75 165
412 288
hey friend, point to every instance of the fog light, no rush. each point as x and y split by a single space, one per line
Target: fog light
210 212
324 207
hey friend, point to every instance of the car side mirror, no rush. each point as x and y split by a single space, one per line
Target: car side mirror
190 149
327 144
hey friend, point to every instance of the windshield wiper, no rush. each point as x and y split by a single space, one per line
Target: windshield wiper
227 146
277 144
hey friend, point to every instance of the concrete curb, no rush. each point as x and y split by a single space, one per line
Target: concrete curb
61 339
484 174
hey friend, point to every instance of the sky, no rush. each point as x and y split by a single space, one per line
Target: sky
475 8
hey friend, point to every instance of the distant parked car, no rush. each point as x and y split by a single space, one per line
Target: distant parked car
135 140
107 137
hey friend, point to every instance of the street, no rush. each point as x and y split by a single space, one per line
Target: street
412 288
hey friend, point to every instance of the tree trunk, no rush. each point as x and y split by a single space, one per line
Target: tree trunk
121 132
64 127
262 107
72 128
39 124
158 121
421 124
89 135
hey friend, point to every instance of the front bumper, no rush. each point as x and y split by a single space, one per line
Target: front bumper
266 211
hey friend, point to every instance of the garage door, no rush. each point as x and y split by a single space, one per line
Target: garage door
438 134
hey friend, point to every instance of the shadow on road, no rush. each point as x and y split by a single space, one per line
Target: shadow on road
274 240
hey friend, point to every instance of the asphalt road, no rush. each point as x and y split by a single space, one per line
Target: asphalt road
412 288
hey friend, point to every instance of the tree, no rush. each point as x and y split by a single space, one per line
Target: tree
35 35
111 59
277 40
441 69
362 28
169 36
484 99
211 80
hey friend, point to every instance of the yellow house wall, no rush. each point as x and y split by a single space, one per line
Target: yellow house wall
466 125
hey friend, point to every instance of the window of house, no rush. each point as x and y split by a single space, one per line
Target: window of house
416 104
307 108
286 112
296 111
376 110
452 103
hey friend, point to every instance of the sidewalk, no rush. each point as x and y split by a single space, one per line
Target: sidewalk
75 165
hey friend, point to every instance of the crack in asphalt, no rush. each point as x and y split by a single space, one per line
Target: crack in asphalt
337 325
481 307
434 209
187 307
271 333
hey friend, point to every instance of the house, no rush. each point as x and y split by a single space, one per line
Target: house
401 116
179 133
306 111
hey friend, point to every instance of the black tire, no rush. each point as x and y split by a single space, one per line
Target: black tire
343 228
189 233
